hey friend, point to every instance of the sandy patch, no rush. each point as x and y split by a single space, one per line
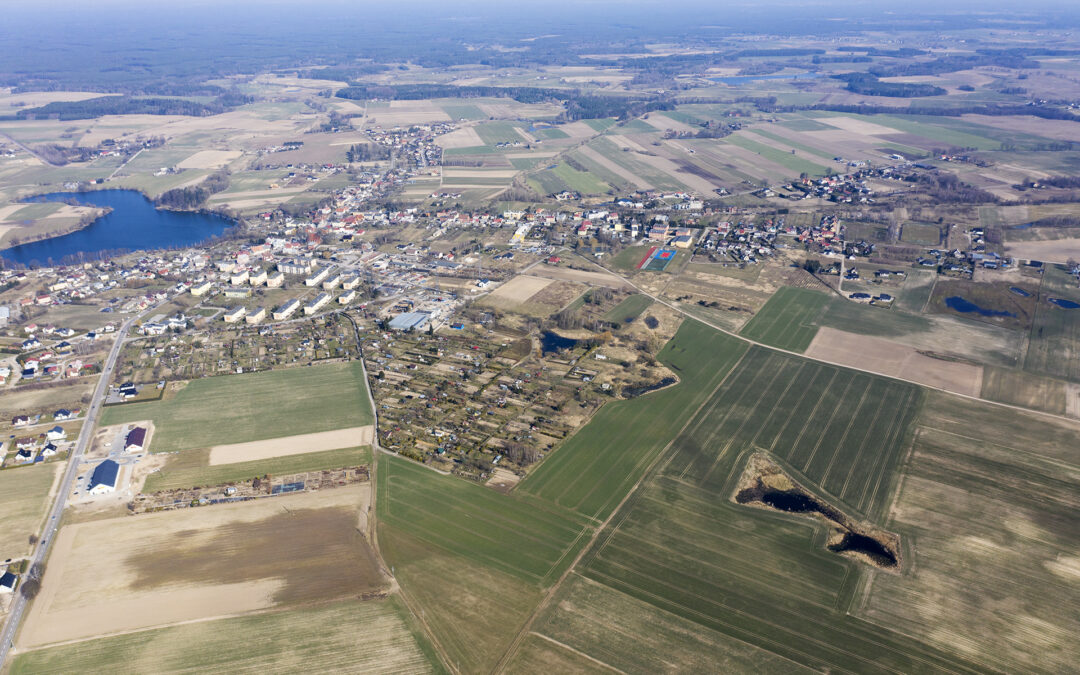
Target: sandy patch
1053 250
582 276
896 360
503 480
520 288
856 126
209 159
291 445
460 138
74 604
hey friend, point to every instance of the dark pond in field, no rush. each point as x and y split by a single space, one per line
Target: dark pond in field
1065 304
553 342
1019 291
965 306
740 79
133 224
869 546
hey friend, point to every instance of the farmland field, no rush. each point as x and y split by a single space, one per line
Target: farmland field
22 506
629 309
234 408
1054 347
345 637
758 586
1017 387
990 498
192 469
788 320
592 471
172 566
432 528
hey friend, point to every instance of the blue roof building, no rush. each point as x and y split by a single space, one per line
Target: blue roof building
103 480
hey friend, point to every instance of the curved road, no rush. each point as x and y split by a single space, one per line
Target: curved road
18 605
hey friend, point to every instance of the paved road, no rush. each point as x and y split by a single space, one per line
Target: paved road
18 605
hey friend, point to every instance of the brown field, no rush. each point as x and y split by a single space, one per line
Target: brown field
1063 130
518 290
461 138
896 360
291 445
1054 250
164 568
621 172
580 276
856 126
18 401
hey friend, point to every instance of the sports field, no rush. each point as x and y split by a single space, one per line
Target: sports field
345 637
788 320
592 471
252 407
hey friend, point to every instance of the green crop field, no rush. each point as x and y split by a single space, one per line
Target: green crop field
629 309
464 111
253 407
550 133
592 471
788 320
191 469
601 125
499 132
344 637
23 493
580 181
476 561
792 163
809 149
923 234
753 587
1054 346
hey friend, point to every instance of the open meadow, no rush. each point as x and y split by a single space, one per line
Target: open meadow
343 637
1054 348
788 320
252 407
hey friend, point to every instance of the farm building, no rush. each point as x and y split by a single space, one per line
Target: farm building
7 582
136 440
411 321
103 480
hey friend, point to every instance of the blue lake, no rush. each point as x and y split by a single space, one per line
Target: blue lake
552 343
1065 304
133 224
965 306
741 79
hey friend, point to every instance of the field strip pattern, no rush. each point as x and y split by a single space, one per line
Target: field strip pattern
788 319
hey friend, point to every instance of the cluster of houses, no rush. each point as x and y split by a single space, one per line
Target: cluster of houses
40 446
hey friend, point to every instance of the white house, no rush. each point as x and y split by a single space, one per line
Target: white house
103 480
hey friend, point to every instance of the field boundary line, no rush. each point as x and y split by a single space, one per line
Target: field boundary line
500 666
576 651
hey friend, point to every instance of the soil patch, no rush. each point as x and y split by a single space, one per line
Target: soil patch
291 445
